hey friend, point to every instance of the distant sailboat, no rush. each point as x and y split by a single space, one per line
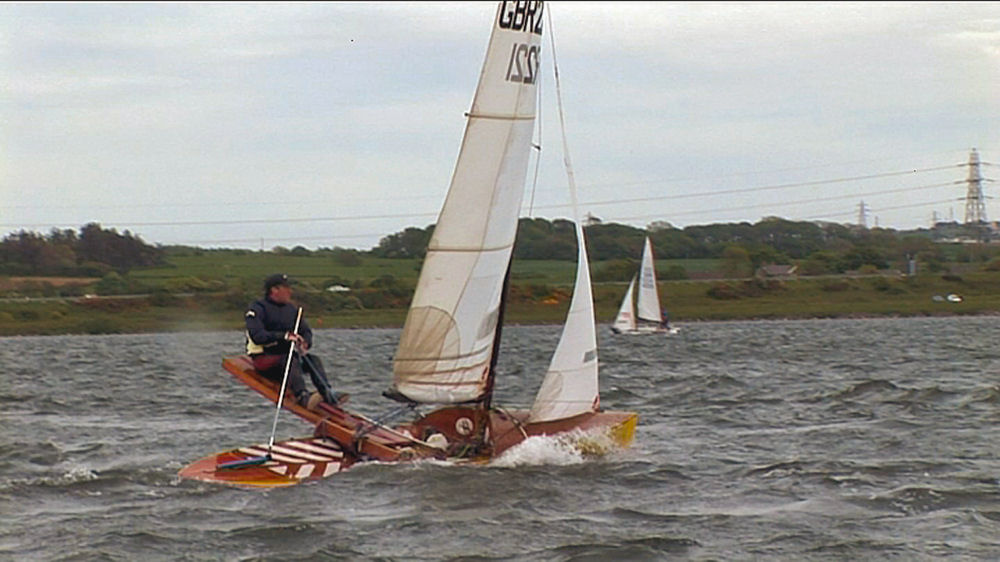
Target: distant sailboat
646 318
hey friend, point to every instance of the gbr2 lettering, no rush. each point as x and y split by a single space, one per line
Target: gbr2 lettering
522 15
524 63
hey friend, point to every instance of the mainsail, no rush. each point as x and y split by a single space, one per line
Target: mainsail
648 302
448 338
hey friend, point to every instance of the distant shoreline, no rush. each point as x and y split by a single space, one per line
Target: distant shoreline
685 301
216 324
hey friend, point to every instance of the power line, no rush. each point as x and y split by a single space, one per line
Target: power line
758 172
814 199
249 221
258 239
432 215
436 197
771 187
217 204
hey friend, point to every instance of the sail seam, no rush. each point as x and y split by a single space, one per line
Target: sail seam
471 353
499 117
443 371
476 250
437 383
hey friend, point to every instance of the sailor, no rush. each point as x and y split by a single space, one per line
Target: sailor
665 319
270 334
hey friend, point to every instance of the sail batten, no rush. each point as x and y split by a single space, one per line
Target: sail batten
438 383
477 250
444 357
447 342
501 117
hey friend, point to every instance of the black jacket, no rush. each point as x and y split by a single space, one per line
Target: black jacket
267 322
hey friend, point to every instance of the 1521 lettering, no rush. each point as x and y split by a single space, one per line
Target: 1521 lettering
524 63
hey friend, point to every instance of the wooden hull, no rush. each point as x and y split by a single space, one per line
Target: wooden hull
594 432
462 428
357 434
342 438
290 462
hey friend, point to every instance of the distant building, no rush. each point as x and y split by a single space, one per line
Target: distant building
872 272
772 270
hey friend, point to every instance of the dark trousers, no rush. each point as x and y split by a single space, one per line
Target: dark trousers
273 367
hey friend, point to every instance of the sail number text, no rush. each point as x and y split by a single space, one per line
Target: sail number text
522 15
524 63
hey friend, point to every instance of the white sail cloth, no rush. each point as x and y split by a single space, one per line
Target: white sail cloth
648 302
625 320
570 386
446 346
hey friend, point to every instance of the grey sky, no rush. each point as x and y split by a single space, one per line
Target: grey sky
334 124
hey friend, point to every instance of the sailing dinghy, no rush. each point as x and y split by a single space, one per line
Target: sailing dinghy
448 351
645 319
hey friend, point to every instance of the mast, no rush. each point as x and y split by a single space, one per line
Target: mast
491 377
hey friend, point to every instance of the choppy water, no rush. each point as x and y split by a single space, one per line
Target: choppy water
806 440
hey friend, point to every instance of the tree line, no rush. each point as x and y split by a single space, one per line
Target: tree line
93 252
817 248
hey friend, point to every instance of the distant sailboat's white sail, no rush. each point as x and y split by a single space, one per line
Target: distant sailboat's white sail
447 341
625 321
648 305
571 385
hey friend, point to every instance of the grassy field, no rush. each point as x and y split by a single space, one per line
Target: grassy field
228 280
687 301
837 298
251 268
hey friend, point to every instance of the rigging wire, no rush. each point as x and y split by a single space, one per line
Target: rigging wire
570 176
538 145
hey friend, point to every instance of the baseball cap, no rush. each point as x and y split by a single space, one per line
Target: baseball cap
277 279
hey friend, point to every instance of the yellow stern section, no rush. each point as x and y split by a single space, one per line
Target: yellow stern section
623 433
